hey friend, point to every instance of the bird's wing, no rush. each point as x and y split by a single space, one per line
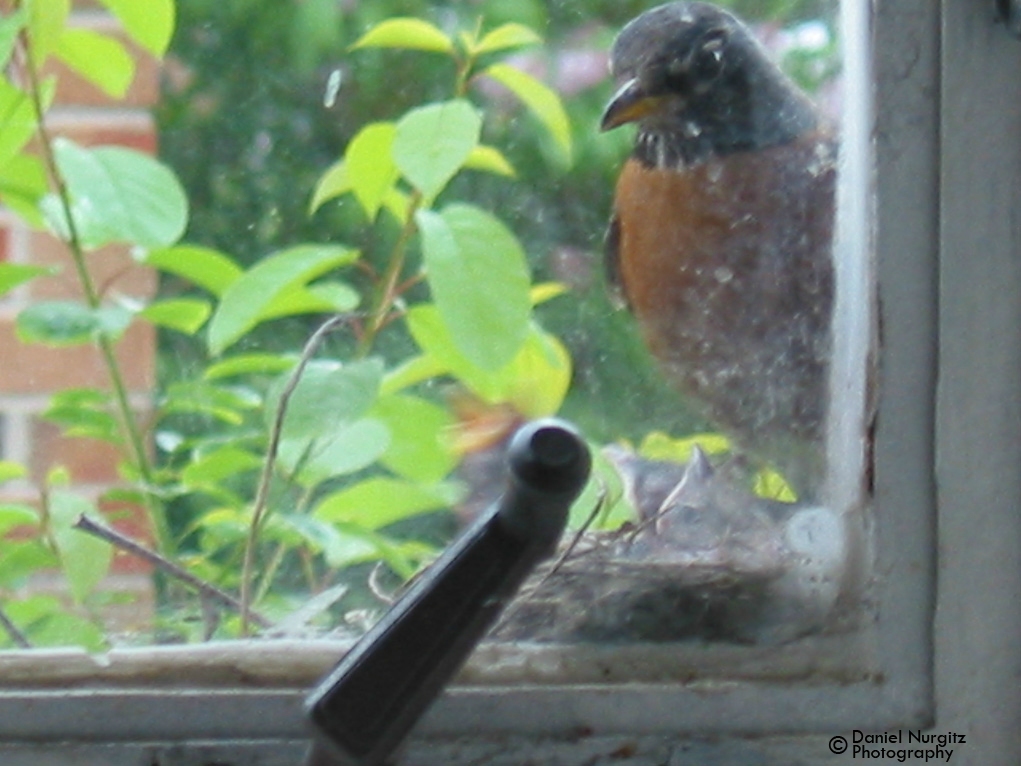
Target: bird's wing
611 262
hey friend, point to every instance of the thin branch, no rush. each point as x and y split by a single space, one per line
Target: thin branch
408 283
395 267
93 297
205 589
262 494
14 631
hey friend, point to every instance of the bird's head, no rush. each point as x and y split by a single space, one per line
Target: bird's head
697 82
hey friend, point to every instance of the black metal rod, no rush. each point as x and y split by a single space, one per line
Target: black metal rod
367 705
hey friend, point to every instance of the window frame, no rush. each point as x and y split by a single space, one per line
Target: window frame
917 431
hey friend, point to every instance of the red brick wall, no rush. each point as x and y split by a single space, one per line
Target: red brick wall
29 374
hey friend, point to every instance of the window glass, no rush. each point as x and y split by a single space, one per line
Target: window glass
271 375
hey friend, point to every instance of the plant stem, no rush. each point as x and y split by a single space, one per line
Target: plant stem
128 422
265 479
270 572
390 288
466 64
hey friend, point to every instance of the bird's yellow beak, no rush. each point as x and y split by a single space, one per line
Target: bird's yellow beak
629 104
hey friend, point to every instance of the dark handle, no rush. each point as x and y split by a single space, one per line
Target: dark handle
365 707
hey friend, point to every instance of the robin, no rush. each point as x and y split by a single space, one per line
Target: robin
720 238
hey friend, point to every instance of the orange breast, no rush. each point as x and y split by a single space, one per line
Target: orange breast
727 267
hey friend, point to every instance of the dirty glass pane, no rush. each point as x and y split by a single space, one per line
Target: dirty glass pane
378 239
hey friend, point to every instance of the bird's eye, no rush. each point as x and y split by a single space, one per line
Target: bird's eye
708 60
699 67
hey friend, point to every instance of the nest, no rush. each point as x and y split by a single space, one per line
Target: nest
616 587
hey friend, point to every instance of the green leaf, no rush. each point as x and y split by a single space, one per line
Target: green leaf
98 58
222 526
47 20
185 315
398 204
14 274
81 397
84 412
415 370
23 184
339 296
490 160
118 195
479 279
10 26
433 142
534 382
773 486
350 448
250 364
10 470
149 23
114 320
416 450
537 380
85 423
23 558
408 33
343 545
371 171
378 502
540 99
506 36
63 628
57 323
339 550
545 291
333 183
434 338
223 463
603 487
657 445
249 299
326 297
58 476
209 269
84 559
17 118
224 403
14 515
328 395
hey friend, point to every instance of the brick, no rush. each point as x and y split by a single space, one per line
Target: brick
129 520
88 461
34 369
135 130
114 271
